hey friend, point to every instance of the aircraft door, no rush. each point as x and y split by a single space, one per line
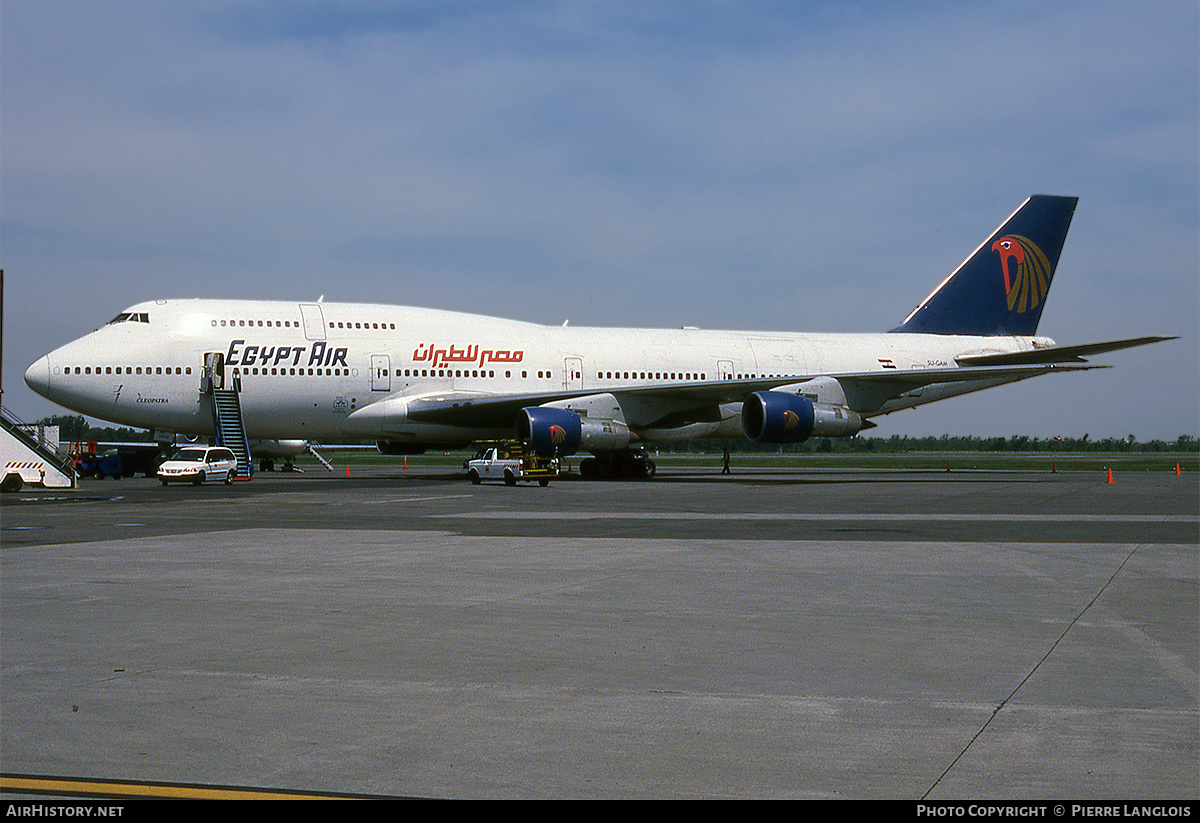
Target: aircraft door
314 321
213 374
381 374
725 369
573 373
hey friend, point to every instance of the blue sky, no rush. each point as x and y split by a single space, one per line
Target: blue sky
801 166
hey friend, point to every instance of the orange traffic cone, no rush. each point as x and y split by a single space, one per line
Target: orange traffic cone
347 470
1053 468
1109 476
1176 469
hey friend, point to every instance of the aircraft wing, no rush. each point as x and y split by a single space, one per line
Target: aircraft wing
698 402
489 410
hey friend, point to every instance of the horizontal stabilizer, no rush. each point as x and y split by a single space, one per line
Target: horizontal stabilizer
1056 354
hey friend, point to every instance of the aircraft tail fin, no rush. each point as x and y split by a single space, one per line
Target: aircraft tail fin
1001 288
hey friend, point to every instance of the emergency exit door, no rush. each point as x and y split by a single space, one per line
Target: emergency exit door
381 373
572 373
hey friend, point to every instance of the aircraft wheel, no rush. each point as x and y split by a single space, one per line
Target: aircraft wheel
588 467
649 468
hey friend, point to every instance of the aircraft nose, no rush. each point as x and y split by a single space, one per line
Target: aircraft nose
37 376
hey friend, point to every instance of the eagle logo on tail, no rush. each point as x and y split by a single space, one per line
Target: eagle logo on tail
1026 272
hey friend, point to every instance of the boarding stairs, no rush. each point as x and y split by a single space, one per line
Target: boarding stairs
312 449
30 458
231 429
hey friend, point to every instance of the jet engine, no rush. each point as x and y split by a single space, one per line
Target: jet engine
776 417
549 431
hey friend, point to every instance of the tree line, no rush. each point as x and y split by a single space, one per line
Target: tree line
77 428
900 444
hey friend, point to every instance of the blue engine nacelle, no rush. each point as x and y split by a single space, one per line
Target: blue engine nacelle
777 417
549 432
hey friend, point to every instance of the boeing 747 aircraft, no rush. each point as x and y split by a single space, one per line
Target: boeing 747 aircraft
414 379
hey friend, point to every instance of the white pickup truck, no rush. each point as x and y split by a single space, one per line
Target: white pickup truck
510 462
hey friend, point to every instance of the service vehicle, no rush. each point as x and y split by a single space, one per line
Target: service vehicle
510 461
196 464
99 460
90 460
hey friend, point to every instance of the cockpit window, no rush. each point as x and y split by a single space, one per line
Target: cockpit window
131 317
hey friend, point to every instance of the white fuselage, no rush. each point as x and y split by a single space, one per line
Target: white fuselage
305 369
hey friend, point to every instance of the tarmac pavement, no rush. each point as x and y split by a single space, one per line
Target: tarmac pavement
802 634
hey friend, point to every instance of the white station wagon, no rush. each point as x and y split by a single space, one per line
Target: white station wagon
196 464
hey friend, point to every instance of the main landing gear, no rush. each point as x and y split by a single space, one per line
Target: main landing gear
628 465
268 465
